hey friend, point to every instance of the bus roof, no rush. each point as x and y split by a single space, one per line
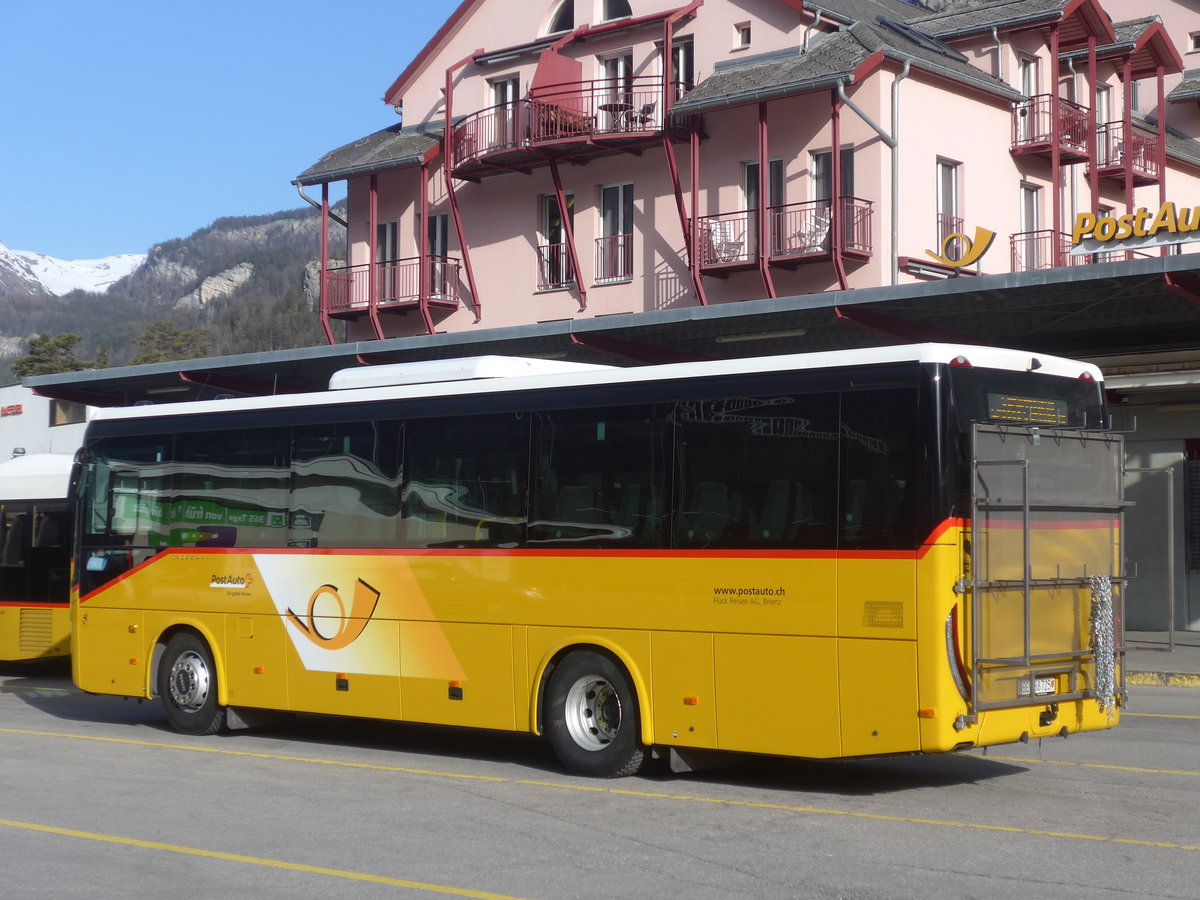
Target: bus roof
38 476
498 378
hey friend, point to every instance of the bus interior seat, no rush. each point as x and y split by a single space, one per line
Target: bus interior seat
707 516
14 542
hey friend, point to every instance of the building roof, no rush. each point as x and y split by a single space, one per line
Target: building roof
834 57
1188 89
967 17
387 149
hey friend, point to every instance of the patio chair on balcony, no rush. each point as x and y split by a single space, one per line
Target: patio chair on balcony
645 116
814 236
727 246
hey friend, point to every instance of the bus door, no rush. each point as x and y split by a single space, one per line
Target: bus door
1045 575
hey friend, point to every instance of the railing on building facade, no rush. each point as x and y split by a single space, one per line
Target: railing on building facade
797 230
946 226
1033 122
1137 149
554 267
1039 250
614 258
578 110
397 281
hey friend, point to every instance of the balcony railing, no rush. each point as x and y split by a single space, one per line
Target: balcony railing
946 226
1138 149
554 267
614 258
1033 123
397 281
797 230
576 110
1039 250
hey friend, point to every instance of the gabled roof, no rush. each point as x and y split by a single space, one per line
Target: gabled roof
1147 44
387 149
843 11
832 58
969 17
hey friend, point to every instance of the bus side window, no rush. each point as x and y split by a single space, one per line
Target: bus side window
879 452
466 484
598 475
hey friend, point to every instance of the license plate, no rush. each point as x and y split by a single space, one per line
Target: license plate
1042 686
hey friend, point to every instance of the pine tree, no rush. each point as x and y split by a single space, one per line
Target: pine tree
50 355
164 341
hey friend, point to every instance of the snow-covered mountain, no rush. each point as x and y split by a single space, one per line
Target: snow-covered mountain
24 271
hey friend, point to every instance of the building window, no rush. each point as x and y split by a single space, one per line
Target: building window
614 9
750 187
1193 42
387 255
67 412
741 36
505 95
822 174
554 255
949 220
563 18
617 100
683 66
1030 249
439 252
614 247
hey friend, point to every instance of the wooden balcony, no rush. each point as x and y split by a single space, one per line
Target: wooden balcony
1135 151
576 121
348 291
800 232
1034 131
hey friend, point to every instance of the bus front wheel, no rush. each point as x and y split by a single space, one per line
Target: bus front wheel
187 683
591 717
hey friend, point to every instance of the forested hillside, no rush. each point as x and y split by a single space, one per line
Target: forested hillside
242 279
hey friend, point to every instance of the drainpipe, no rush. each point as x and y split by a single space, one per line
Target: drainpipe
811 25
317 206
999 50
893 142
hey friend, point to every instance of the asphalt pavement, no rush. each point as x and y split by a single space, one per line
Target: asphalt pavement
1159 658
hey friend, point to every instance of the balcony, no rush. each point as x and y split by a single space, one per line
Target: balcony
349 293
576 121
614 258
1135 151
554 267
1039 250
1033 127
800 232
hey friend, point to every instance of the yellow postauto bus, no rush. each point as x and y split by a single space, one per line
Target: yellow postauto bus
897 550
35 554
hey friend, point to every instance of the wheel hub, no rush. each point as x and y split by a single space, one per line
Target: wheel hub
189 681
593 712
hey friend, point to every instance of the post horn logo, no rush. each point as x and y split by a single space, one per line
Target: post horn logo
328 623
971 249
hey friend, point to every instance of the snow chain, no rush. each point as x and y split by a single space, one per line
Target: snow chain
1103 642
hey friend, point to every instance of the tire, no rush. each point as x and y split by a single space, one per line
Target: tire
592 717
187 684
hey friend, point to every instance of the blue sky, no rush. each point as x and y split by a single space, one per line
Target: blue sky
131 123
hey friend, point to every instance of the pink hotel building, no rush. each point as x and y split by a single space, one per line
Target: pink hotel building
598 157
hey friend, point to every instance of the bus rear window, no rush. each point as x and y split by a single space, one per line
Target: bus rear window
1026 398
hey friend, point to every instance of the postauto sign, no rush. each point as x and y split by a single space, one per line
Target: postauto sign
1094 233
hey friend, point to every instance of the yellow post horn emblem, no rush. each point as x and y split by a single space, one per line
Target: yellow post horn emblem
972 249
331 626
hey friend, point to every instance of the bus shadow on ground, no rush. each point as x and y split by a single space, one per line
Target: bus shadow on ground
46 686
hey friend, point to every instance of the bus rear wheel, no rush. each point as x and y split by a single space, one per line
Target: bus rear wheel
591 717
187 684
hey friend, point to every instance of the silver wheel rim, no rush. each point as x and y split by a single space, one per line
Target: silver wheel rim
189 681
593 712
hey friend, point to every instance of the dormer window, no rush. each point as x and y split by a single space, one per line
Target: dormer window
614 9
563 18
